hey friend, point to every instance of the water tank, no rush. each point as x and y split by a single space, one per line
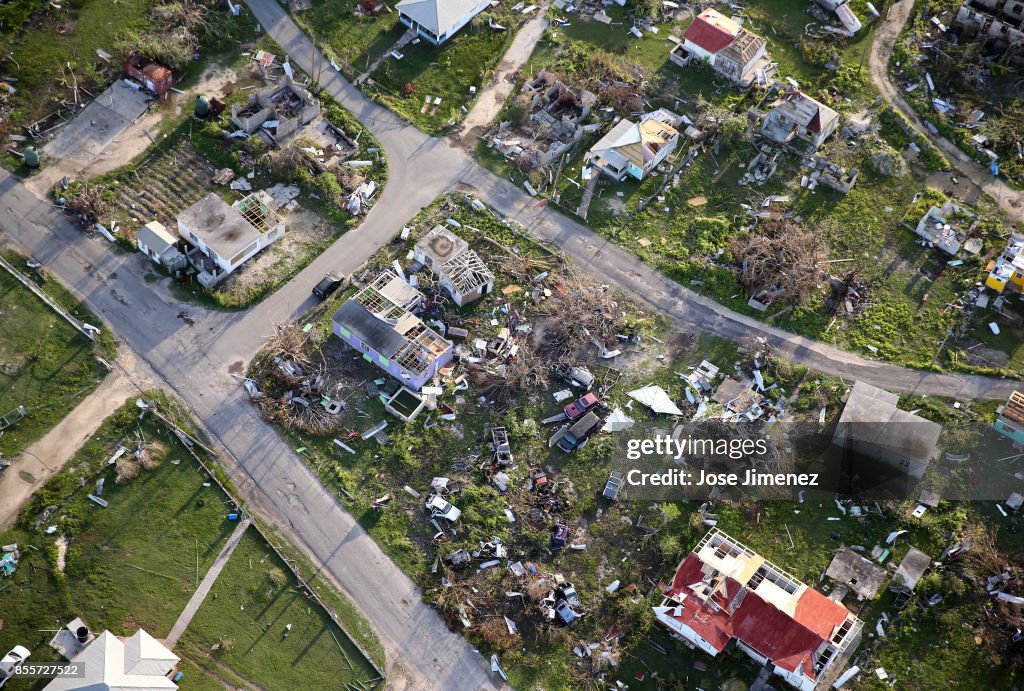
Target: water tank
202 106
82 632
31 157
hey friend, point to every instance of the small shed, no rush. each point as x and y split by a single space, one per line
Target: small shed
856 573
910 570
152 75
161 245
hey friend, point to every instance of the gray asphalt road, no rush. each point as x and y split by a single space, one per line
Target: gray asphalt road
195 360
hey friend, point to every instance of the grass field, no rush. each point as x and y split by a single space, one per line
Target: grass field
354 40
446 72
240 628
136 562
46 365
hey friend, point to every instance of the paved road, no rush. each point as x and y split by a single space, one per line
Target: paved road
195 360
1009 200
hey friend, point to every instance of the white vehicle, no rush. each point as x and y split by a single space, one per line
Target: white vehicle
11 661
439 508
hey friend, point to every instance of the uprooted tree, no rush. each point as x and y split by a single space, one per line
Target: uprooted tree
780 259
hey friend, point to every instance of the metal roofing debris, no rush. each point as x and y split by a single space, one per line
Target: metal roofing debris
617 421
910 570
655 398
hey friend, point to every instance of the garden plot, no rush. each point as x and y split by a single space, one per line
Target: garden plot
169 183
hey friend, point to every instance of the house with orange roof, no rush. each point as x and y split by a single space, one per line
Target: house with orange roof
724 594
635 149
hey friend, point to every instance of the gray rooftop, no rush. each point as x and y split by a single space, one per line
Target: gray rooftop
368 328
871 417
911 568
218 225
856 572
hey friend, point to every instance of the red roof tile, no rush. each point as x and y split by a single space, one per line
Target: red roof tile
707 34
789 642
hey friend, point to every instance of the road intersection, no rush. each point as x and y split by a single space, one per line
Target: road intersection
196 361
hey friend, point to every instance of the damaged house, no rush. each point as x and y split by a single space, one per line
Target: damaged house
224 236
150 74
1008 269
853 571
798 116
636 148
730 50
936 230
379 322
280 110
724 593
555 122
1010 419
872 427
459 269
1000 21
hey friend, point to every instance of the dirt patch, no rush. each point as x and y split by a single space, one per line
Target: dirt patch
47 456
62 552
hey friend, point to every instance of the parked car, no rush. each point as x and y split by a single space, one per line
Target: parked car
328 284
576 436
569 594
11 661
576 376
581 406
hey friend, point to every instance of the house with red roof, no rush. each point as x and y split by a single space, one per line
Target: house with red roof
729 49
725 594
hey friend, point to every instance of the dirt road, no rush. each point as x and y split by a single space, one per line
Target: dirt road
40 461
492 98
1009 200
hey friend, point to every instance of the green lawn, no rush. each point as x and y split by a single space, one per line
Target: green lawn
241 628
159 521
446 72
46 365
352 38
136 562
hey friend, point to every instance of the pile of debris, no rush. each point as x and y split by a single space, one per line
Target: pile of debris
781 259
306 399
848 296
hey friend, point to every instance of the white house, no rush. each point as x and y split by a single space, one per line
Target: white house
226 235
160 245
729 49
635 149
113 664
459 269
797 115
438 20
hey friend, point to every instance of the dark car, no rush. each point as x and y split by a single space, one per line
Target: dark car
328 284
581 406
576 436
